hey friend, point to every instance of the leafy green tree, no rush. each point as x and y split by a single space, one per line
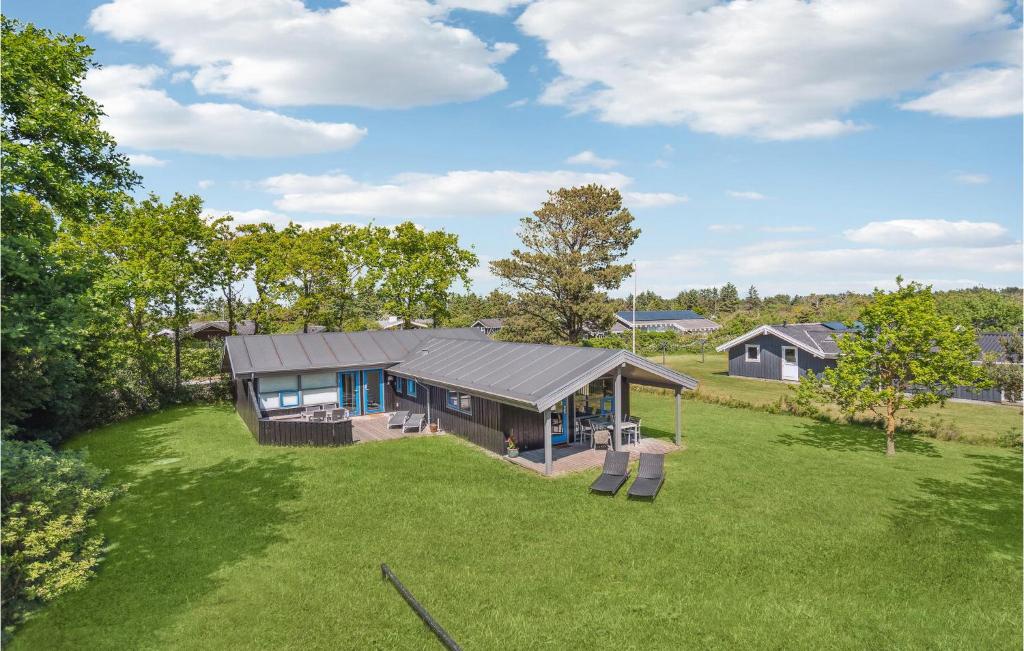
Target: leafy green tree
256 247
59 172
417 271
648 300
229 267
49 545
571 249
983 309
906 357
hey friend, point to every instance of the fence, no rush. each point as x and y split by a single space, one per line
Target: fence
287 432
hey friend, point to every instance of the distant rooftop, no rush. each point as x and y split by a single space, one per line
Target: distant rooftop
659 315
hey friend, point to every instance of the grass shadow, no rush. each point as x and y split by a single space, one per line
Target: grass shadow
984 508
167 539
851 438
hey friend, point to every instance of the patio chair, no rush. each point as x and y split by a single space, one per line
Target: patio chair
398 419
318 416
613 475
649 476
336 415
601 437
415 422
636 420
584 429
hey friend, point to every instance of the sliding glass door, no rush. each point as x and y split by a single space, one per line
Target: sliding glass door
373 391
361 392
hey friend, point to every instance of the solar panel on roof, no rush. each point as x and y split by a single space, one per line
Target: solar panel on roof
834 325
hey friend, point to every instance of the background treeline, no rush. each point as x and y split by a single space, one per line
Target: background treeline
100 284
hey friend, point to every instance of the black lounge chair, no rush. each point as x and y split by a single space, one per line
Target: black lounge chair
416 422
398 419
614 474
649 476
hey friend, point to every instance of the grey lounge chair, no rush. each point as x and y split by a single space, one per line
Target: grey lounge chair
649 476
416 422
398 419
613 475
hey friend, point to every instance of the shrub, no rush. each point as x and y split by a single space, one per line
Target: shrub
48 543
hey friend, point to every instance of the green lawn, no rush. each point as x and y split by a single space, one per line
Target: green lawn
975 422
770 532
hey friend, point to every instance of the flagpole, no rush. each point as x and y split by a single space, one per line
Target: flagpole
634 307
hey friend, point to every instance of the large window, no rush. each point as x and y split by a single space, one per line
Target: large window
460 402
410 387
753 353
278 391
319 388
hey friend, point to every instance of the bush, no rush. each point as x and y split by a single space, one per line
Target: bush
48 544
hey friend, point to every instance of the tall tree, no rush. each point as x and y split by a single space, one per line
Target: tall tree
418 269
256 247
753 299
728 298
229 267
59 171
906 357
571 248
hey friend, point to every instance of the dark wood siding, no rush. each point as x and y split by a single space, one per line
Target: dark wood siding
527 427
984 395
770 366
482 427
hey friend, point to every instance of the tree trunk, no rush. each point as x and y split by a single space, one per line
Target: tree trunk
890 431
177 343
229 297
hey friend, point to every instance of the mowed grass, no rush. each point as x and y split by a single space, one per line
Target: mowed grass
770 532
974 422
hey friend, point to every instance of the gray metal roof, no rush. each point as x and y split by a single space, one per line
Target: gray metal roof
991 343
534 376
281 353
816 336
489 323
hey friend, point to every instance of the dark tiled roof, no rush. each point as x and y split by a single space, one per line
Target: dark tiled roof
816 336
490 323
991 343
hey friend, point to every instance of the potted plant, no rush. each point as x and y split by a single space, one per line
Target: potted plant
433 428
513 450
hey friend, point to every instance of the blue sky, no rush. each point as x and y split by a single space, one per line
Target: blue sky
798 146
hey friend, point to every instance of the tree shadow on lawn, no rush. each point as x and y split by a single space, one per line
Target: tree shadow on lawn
852 438
983 509
168 536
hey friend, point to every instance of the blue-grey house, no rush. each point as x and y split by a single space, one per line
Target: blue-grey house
788 351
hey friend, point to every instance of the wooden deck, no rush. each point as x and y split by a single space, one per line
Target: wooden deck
374 427
577 457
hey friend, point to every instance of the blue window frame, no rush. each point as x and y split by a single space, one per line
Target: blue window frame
288 398
410 388
460 402
398 385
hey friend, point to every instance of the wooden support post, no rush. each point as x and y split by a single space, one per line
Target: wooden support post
617 419
547 442
679 416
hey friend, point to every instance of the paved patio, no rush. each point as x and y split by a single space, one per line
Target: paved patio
577 457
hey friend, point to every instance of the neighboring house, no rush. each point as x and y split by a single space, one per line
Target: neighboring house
488 326
788 351
208 330
394 322
476 388
684 321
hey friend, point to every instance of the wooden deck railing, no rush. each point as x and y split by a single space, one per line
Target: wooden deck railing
287 432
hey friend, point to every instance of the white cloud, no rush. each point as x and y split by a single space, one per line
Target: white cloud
857 262
929 233
205 183
980 93
457 193
145 160
736 68
488 6
972 178
749 196
370 53
260 216
588 157
141 116
724 228
519 103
